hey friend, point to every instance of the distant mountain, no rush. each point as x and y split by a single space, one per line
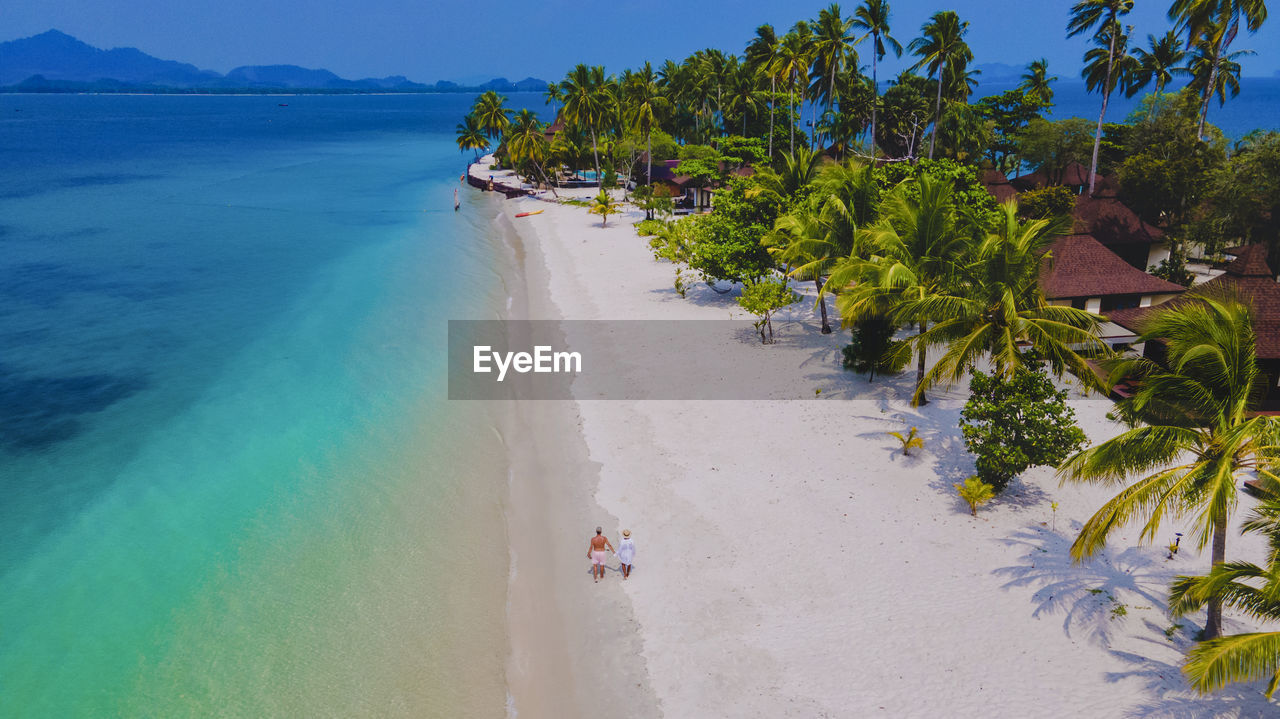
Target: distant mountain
58 56
999 72
56 62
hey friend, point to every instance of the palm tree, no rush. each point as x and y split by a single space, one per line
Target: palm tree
673 78
1037 84
798 170
718 70
589 103
832 49
762 57
873 19
940 47
490 114
1198 435
817 234
916 251
743 98
1110 62
1224 74
1247 587
551 97
526 141
604 206
1158 64
1215 22
794 56
471 136
1103 14
645 104
1001 310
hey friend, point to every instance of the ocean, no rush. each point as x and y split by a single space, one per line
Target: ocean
1257 107
232 481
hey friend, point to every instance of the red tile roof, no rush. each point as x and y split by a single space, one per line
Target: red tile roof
1112 223
1080 266
998 185
1073 175
1250 261
1250 277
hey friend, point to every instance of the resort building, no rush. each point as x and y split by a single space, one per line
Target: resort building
1252 279
1120 230
1080 271
1074 176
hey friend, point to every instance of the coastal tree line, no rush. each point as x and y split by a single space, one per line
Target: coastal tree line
875 198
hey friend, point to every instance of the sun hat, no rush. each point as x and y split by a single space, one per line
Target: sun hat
626 532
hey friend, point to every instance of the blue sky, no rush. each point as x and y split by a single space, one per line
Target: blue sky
428 40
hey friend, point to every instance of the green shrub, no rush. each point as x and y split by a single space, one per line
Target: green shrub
1017 422
764 297
1047 202
648 228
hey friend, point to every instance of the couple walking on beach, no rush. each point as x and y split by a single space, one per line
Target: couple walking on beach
626 552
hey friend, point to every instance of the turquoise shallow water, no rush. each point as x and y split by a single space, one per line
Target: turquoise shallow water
231 481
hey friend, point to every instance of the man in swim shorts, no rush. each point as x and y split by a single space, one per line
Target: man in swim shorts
595 552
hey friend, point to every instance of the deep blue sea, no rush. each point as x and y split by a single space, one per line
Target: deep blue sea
1256 108
231 481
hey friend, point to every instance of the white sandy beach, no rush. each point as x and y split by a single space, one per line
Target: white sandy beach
791 562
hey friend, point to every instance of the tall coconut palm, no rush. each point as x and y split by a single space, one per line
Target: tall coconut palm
1108 66
742 98
762 57
832 50
940 48
552 97
1224 74
717 70
490 113
872 18
589 103
916 251
1246 587
795 54
1197 436
526 142
1000 310
1158 64
471 136
1103 15
1215 22
1037 84
645 105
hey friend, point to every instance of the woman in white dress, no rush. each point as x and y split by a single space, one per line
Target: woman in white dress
626 553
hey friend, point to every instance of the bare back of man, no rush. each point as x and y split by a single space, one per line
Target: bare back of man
596 553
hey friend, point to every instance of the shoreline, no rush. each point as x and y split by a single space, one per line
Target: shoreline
563 630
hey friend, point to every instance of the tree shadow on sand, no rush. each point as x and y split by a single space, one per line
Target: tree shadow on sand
1088 594
1173 699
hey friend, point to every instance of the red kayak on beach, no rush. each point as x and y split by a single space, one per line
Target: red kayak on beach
526 214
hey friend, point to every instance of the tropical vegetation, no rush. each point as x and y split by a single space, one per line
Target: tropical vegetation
794 165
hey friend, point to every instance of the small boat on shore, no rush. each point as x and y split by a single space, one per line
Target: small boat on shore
526 214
